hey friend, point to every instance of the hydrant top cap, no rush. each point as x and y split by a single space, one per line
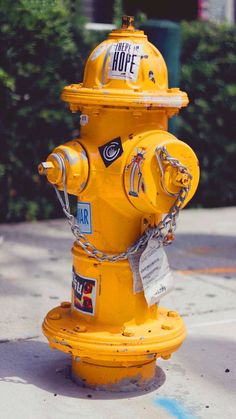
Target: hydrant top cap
125 70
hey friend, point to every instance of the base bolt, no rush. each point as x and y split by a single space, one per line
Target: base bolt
166 327
127 333
166 356
79 329
172 314
65 304
54 316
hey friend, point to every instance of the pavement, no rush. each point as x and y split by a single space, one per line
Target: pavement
199 381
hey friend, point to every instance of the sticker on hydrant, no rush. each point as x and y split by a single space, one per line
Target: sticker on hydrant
124 61
136 175
84 218
111 151
151 272
84 293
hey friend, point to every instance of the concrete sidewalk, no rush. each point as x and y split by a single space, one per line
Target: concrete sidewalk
199 381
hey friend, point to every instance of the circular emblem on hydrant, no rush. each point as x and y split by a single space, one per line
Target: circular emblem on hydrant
111 151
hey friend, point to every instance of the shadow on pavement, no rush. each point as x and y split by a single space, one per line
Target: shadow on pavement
212 359
203 251
33 362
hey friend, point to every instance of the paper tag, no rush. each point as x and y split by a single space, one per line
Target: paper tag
154 272
134 264
124 61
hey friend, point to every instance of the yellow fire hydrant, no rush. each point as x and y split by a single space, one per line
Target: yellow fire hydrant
131 178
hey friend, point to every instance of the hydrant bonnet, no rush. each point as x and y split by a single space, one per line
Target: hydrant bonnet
125 70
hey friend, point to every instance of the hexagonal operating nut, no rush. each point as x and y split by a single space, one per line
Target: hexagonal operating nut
44 167
181 179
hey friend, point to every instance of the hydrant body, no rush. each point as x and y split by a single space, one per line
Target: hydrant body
113 333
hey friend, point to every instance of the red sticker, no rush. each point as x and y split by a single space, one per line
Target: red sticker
84 293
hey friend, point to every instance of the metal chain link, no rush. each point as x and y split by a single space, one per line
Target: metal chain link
163 232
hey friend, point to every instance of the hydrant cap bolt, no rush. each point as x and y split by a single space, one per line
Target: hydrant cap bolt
44 167
127 22
51 169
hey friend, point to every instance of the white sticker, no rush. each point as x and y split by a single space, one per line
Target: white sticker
134 264
98 51
124 61
155 272
84 120
84 218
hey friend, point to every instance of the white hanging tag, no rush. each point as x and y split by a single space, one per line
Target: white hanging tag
155 272
134 264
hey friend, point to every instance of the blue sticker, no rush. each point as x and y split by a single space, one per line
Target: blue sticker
84 218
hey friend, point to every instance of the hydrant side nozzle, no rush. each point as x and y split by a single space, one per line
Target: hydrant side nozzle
51 170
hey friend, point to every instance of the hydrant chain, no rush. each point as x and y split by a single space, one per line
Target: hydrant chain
163 232
162 154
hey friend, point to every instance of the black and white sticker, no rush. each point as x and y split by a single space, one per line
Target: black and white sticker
124 61
111 151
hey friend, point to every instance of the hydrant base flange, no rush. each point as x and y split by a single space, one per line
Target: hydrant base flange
115 379
109 356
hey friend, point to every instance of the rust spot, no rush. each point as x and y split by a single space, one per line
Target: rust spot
166 326
172 314
127 333
79 329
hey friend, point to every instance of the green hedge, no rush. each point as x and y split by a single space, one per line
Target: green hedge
44 47
208 72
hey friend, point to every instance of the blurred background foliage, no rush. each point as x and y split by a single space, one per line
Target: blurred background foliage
44 46
208 75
